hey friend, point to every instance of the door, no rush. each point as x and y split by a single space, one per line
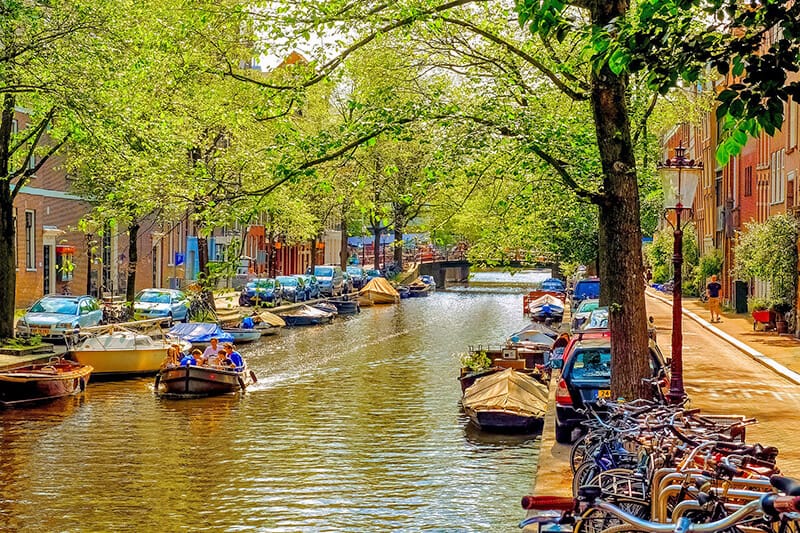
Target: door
46 270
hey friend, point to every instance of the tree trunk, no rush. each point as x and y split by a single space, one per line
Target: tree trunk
344 256
376 246
133 259
621 269
397 249
202 260
8 270
313 253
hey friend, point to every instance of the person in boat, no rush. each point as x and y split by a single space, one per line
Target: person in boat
174 356
189 359
198 357
211 351
234 356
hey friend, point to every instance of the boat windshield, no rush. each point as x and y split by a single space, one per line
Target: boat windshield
154 297
64 307
287 281
261 284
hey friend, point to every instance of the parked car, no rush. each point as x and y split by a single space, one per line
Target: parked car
585 288
586 378
581 314
553 284
58 317
292 288
358 275
348 286
373 273
330 278
312 285
261 292
169 304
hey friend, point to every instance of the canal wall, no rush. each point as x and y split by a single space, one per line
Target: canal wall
553 475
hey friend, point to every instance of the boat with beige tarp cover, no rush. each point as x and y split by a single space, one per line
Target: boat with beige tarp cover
378 291
506 401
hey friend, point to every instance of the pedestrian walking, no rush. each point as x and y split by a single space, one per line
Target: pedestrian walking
712 291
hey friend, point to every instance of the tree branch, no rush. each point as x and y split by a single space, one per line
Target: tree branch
558 82
31 171
643 122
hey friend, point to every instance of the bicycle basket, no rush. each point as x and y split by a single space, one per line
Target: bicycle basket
622 484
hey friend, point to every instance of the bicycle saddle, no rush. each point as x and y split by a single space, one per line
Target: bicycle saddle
787 485
589 493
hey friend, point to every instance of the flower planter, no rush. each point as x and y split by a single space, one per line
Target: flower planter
766 317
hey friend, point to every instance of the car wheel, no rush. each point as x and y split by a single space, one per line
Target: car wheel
169 320
563 434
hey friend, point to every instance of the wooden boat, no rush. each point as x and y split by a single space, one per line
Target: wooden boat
526 357
305 316
116 350
193 381
507 401
42 381
378 291
328 307
268 323
419 288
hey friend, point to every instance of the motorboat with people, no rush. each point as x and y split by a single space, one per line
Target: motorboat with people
37 382
191 378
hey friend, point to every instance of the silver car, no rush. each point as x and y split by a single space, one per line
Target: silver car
58 317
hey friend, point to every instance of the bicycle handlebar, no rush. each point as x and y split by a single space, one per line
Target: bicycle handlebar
548 503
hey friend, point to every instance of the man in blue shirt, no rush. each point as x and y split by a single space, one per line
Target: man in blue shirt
234 356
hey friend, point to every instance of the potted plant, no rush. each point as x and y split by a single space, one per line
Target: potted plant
762 313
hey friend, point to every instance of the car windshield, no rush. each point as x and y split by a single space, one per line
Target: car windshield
594 363
588 306
323 271
356 271
63 307
153 297
288 282
261 284
374 273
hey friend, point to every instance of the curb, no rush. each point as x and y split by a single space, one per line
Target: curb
751 352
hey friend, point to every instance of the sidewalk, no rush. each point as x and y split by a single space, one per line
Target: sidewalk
783 349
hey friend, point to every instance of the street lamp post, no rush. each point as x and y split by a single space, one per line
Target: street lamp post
679 177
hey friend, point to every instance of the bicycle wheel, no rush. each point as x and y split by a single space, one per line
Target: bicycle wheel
598 521
583 475
581 450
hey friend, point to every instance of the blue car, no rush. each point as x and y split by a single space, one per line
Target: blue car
59 317
292 288
312 286
169 304
265 292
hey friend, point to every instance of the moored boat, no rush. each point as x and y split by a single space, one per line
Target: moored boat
506 401
546 307
42 381
243 335
378 291
116 351
200 333
305 315
419 288
268 323
192 381
346 307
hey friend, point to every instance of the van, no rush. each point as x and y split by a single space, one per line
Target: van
330 278
585 288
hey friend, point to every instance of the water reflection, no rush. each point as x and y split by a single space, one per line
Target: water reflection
354 426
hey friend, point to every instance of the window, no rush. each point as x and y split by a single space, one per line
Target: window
30 240
777 175
748 181
793 116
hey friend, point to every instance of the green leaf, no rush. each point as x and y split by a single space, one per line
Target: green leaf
619 61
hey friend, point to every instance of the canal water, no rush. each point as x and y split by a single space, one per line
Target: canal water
353 426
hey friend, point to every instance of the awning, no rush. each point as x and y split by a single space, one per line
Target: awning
65 250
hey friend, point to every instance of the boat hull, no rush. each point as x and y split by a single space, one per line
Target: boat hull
122 362
241 335
196 381
299 320
42 382
346 307
503 421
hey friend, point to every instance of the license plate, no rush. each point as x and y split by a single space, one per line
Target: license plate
40 331
603 393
